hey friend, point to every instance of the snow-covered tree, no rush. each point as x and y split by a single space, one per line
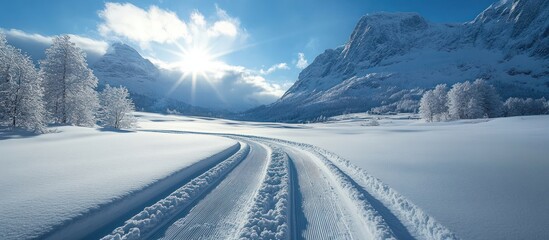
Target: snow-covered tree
440 107
473 100
116 108
433 104
529 106
69 83
426 106
458 100
489 99
21 92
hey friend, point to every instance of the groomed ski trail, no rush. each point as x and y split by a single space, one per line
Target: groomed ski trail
215 216
286 190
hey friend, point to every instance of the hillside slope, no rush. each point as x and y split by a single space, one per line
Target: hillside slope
391 58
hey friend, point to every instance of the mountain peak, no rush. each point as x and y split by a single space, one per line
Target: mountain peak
123 65
119 48
391 58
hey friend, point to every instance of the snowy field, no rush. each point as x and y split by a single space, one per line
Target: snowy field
483 179
469 179
50 180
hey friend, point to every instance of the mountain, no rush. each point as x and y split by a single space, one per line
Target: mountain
124 66
391 58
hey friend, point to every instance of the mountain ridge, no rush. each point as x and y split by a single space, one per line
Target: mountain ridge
391 58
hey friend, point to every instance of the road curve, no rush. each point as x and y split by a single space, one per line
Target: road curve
276 189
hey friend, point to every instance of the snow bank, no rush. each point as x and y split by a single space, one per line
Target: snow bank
269 215
154 216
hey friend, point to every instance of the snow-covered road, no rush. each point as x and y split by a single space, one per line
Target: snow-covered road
276 189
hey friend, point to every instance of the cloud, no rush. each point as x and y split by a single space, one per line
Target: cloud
35 44
301 61
234 88
273 68
313 44
156 25
139 25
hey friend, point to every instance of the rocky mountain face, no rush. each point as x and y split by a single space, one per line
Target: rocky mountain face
391 58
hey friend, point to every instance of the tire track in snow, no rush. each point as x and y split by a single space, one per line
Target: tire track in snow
151 218
217 215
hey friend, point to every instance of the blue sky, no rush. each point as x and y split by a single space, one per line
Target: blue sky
256 35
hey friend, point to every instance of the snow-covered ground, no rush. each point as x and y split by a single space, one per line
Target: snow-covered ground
470 179
50 180
483 179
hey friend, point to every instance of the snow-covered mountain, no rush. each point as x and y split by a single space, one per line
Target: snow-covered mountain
124 66
391 58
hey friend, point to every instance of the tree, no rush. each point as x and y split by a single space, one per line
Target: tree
69 83
21 91
458 100
433 104
529 106
489 99
473 100
116 108
426 106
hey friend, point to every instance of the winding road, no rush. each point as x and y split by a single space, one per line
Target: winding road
276 189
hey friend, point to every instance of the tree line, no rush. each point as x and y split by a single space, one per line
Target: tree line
470 100
61 91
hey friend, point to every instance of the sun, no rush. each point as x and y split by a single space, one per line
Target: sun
197 61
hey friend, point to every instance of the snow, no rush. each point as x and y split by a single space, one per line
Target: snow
48 180
392 57
213 217
483 178
269 216
142 224
477 179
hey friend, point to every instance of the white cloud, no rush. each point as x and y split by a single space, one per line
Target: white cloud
90 45
273 68
301 61
197 18
127 21
35 44
15 33
139 25
225 87
223 28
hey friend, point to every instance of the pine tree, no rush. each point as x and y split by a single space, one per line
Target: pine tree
21 92
116 108
69 83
